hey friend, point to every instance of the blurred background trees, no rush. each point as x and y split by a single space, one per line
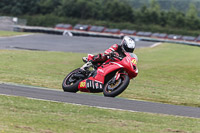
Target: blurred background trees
148 15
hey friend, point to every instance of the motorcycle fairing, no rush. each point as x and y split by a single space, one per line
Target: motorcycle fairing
82 86
90 85
94 86
96 83
105 69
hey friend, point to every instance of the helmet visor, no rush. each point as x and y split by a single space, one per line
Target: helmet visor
130 50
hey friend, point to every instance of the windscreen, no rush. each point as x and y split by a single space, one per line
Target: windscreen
133 56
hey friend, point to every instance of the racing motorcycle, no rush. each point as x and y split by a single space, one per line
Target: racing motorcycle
111 77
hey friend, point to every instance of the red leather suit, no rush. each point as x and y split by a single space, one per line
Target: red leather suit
103 56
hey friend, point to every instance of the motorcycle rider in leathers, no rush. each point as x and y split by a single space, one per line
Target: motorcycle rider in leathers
127 45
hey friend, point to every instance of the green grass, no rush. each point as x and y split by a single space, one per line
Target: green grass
10 33
27 115
168 73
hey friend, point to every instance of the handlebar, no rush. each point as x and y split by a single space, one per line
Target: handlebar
113 55
118 57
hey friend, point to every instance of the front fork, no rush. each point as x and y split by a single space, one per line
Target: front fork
117 76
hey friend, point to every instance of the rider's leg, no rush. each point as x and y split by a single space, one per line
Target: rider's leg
86 66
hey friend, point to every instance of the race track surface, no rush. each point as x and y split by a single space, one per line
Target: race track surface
82 45
63 43
99 101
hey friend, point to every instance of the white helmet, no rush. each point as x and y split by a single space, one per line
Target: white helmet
128 44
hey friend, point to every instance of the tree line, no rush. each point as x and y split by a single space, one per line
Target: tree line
181 5
108 11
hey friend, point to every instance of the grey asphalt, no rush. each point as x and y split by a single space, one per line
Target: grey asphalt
99 101
83 45
63 43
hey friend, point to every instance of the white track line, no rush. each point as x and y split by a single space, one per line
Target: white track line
72 103
93 106
156 44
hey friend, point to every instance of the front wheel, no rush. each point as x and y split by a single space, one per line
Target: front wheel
70 84
113 89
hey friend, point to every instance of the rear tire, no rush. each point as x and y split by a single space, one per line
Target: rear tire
71 86
120 85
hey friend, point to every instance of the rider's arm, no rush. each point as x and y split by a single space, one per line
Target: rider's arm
113 48
103 56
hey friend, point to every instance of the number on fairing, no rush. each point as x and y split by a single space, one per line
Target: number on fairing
82 84
134 61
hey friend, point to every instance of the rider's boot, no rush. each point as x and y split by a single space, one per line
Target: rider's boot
85 59
85 67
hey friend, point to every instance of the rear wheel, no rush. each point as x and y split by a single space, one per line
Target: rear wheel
70 84
113 89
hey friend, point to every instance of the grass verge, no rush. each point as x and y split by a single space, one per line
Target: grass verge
168 73
27 115
10 33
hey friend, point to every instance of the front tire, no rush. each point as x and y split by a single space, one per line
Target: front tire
114 89
69 84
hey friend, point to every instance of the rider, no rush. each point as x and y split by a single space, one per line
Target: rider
127 45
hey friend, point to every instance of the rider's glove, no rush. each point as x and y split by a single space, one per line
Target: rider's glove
114 54
97 57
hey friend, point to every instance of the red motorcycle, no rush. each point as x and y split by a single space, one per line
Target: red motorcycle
111 77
